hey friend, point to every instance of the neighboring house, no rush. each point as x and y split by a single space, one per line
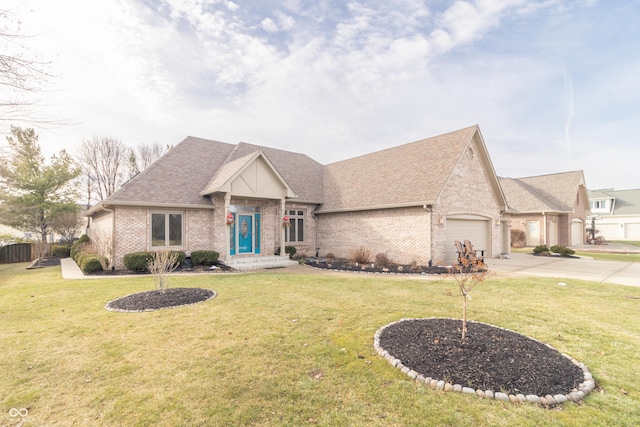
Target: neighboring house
549 209
410 202
617 213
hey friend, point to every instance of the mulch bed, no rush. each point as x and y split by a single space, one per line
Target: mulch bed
45 262
184 268
156 300
489 358
346 265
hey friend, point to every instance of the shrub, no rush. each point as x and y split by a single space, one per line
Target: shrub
291 250
541 248
79 246
562 250
518 238
137 261
360 255
181 257
90 263
80 256
61 251
383 260
299 257
161 264
204 257
330 256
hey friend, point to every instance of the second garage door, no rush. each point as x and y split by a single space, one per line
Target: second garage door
474 230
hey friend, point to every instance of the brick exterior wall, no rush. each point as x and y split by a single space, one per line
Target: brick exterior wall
403 234
132 231
468 192
564 221
415 234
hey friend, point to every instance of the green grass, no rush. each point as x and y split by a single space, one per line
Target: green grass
278 349
610 256
603 256
627 242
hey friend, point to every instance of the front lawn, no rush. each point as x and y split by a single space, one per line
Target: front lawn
282 349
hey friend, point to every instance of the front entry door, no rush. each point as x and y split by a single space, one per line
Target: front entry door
245 234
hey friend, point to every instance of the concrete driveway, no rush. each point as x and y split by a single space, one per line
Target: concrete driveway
521 264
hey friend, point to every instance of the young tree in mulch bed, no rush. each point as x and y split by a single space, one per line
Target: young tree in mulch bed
467 274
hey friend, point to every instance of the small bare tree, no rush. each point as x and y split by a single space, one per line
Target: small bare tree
103 161
160 265
22 76
468 273
144 155
102 244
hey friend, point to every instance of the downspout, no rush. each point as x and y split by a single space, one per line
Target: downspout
544 229
316 219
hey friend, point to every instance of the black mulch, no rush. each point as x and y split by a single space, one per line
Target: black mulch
346 265
45 262
490 358
218 267
156 300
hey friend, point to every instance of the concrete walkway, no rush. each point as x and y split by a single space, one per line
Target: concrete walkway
519 264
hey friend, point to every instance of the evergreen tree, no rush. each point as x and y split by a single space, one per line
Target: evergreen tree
34 193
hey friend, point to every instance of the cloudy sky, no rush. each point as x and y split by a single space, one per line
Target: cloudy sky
553 84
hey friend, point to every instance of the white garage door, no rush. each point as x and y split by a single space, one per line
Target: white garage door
476 231
577 230
609 231
633 232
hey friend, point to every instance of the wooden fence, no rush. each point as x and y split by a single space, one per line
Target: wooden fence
17 252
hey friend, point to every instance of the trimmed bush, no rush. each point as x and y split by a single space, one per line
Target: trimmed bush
137 261
78 246
562 250
90 263
540 249
291 250
204 257
182 257
61 251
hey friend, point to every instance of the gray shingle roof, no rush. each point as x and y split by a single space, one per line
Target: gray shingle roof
413 173
544 193
627 202
178 176
406 174
195 164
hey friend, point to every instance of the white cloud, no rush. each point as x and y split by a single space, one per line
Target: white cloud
335 80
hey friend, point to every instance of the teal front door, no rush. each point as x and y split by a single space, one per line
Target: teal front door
245 234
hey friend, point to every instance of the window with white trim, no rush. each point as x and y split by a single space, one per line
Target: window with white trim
295 231
166 229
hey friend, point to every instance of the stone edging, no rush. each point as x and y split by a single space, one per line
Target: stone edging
106 306
576 395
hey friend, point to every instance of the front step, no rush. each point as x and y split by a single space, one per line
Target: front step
259 262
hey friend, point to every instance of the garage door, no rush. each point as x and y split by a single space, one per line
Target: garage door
577 232
633 232
476 231
609 231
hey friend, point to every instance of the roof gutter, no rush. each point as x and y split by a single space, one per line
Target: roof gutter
102 205
426 205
